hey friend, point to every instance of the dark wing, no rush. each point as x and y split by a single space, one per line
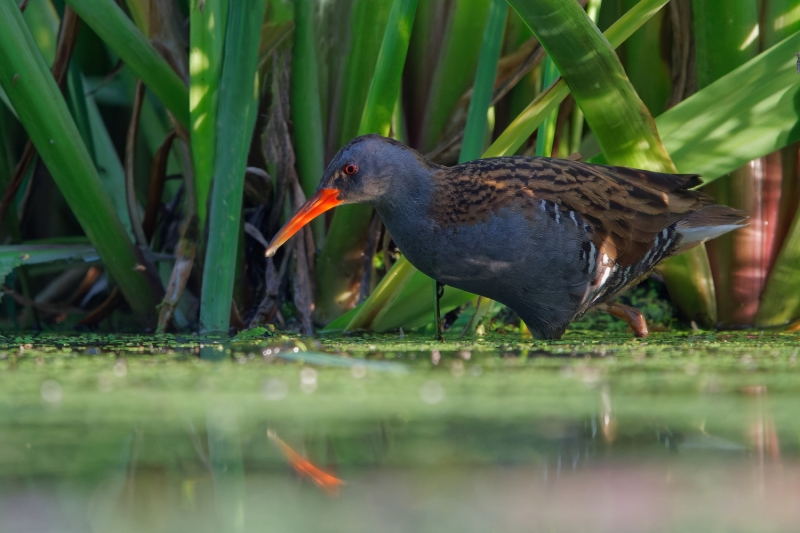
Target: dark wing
626 208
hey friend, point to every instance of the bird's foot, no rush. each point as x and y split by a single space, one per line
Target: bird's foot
631 315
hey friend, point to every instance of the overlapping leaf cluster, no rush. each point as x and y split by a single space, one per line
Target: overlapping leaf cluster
176 136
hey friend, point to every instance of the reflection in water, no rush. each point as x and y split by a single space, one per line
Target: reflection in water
608 421
225 453
763 439
537 474
460 448
327 482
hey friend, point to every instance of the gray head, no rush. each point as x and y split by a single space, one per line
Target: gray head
370 170
371 166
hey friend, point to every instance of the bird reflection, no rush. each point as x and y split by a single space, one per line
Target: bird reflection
327 482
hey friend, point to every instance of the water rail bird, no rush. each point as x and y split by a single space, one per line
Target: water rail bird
549 238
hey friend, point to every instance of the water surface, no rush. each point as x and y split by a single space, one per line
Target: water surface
593 433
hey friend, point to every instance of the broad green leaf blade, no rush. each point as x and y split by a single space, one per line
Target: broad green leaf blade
691 286
339 325
236 117
482 89
725 34
44 114
15 256
532 116
140 13
208 21
781 19
340 262
577 121
121 35
746 114
596 79
4 99
6 159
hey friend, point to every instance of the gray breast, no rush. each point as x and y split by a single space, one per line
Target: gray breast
535 262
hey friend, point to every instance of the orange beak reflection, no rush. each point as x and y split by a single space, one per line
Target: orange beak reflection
323 200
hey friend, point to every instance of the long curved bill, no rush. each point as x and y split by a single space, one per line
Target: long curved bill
323 200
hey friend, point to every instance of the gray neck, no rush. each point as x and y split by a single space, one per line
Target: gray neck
407 202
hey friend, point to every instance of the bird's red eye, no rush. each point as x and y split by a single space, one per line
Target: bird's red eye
350 168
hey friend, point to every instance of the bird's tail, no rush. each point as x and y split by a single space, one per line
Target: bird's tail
709 222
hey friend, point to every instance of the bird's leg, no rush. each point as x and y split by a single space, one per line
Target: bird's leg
477 308
631 315
438 291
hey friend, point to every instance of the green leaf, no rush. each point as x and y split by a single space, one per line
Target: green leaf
385 86
306 108
340 260
726 35
547 131
596 79
483 87
532 116
523 126
395 279
369 25
645 61
236 117
44 114
109 167
121 35
746 114
15 256
206 38
43 22
411 306
455 70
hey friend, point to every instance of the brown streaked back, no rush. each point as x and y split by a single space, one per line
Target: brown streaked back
625 208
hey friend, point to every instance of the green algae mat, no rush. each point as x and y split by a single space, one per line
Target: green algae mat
681 432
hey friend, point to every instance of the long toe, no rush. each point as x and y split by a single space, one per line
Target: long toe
631 315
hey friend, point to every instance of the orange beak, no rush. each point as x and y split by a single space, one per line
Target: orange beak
322 200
